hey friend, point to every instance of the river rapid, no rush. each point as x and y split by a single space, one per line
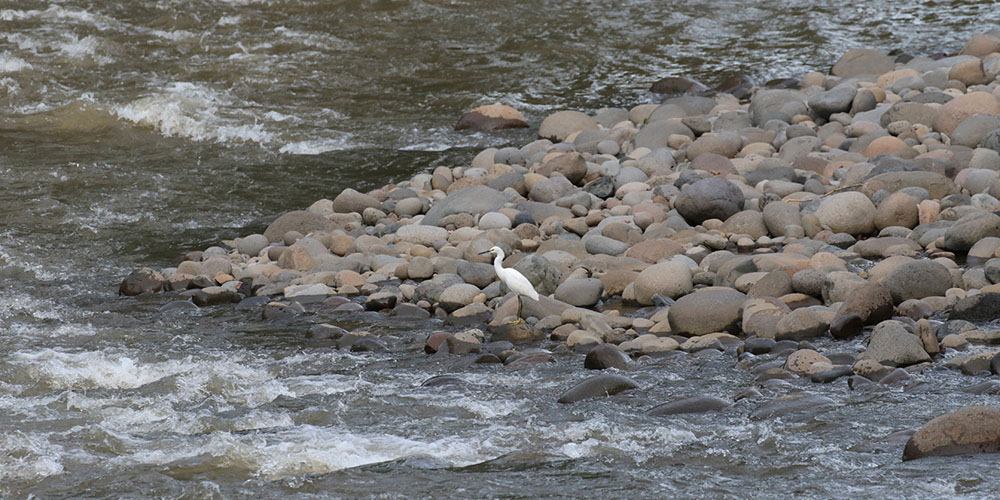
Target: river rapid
132 132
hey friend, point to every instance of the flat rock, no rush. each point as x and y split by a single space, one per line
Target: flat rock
597 386
696 404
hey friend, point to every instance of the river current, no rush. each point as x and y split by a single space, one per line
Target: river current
132 132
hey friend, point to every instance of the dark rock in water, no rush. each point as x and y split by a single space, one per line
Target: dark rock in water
974 429
456 346
859 383
380 300
179 306
280 313
516 333
410 311
597 386
141 281
827 376
678 85
711 198
325 331
896 376
367 344
529 360
697 404
757 345
739 86
846 327
988 387
606 356
979 307
444 381
491 117
436 341
995 364
798 405
210 296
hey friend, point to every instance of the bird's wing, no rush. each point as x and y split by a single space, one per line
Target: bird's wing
518 283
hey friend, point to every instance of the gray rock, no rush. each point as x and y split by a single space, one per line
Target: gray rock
978 307
849 212
773 284
559 125
597 386
918 279
583 292
711 198
597 244
540 272
706 311
457 296
424 235
602 187
252 244
350 200
871 302
971 228
856 62
696 404
494 220
793 406
476 273
475 200
297 220
779 104
801 324
570 165
750 222
779 215
551 189
971 131
891 344
835 100
669 279
991 140
408 207
654 135
604 356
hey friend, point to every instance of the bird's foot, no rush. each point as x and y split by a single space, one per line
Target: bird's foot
517 321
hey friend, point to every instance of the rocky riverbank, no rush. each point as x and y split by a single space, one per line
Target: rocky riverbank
858 206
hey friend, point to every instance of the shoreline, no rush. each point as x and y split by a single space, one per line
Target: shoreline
743 226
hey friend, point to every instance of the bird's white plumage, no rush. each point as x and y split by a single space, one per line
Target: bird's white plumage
514 280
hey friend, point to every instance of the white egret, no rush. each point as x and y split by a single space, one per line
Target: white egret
514 280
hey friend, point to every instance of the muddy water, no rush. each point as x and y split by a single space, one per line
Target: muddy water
131 132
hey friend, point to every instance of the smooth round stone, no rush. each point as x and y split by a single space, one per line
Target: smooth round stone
851 212
252 244
670 279
606 356
494 220
420 268
408 207
584 292
608 147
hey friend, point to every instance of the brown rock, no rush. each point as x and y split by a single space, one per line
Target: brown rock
951 113
974 429
981 45
491 117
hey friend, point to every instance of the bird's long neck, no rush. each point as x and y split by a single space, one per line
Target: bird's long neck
496 263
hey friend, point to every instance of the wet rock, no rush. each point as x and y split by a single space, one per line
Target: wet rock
559 125
676 85
670 279
491 117
807 362
827 376
410 311
892 344
141 281
597 386
445 381
325 331
380 300
970 430
792 406
515 333
846 326
606 356
367 344
711 198
179 306
696 404
706 311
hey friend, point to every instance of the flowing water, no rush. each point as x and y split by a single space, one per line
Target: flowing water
131 132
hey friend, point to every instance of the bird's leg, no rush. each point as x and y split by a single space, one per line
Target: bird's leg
520 305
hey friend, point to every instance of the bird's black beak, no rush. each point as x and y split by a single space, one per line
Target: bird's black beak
484 252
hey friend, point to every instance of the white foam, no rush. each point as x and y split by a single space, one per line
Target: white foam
28 456
315 146
92 369
10 63
229 20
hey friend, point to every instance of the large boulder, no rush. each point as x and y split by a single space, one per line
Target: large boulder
777 104
706 311
571 165
978 307
918 279
953 112
475 200
297 220
671 279
856 62
891 344
711 198
850 212
561 124
974 429
350 200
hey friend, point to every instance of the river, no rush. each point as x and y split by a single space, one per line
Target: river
132 132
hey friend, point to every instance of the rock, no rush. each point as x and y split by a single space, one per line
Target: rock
675 85
606 356
807 362
476 273
475 200
551 189
650 344
315 289
584 292
602 245
937 185
750 222
977 308
670 279
559 125
540 272
773 284
571 165
601 187
846 327
969 430
597 386
711 198
706 311
892 344
457 296
297 220
252 244
801 405
918 279
971 131
515 333
835 100
968 230
850 212
381 300
652 251
827 376
856 62
350 200
696 404
141 281
421 234
491 117
970 72
801 324
953 112
779 215
870 302
494 220
776 104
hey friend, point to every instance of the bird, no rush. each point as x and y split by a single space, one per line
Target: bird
514 280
